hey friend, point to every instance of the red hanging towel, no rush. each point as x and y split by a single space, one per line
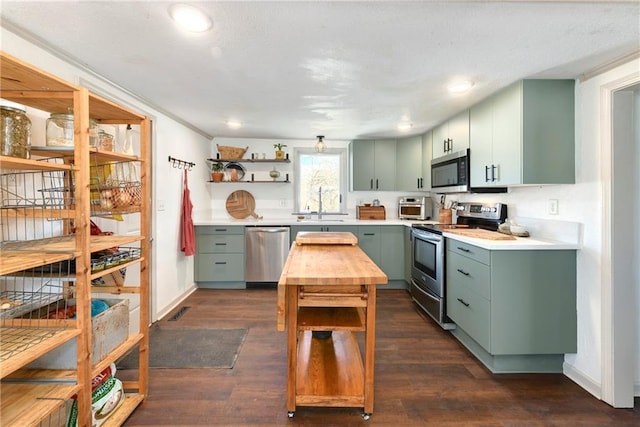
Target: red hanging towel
187 232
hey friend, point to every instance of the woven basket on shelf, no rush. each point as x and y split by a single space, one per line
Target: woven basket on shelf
228 152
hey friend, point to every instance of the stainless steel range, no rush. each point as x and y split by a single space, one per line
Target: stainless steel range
428 275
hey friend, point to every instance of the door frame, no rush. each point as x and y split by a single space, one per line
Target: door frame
616 334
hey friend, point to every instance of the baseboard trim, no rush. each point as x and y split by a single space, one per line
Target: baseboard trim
582 380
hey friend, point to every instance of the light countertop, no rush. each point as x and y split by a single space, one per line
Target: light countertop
539 239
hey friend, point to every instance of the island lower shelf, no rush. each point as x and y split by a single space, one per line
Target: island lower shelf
330 371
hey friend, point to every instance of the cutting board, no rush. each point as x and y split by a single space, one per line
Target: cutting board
325 238
240 204
479 233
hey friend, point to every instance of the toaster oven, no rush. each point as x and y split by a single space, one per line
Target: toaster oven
417 208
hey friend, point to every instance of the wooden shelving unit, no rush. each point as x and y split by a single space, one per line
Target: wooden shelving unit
31 396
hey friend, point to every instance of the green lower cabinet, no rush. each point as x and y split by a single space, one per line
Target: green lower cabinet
384 244
219 260
515 310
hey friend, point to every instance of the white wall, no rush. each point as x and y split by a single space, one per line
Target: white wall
171 272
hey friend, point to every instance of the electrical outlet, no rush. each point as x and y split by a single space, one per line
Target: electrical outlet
160 205
552 206
283 203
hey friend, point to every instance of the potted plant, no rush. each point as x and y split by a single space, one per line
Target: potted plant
217 171
279 151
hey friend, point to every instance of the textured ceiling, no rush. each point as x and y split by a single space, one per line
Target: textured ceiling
341 69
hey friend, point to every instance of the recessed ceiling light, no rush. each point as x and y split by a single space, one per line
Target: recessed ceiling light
234 124
190 18
460 86
405 126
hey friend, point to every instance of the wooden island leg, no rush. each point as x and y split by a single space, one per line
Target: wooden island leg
369 352
292 346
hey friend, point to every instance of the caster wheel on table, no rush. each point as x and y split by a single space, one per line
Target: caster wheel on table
290 414
366 416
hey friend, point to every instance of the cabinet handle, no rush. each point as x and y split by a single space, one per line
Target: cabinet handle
220 262
371 184
421 183
462 272
376 183
466 304
369 234
418 182
463 249
486 174
221 229
221 244
494 170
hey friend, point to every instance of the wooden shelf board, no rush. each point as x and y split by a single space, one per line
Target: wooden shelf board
117 353
66 244
14 261
331 368
331 318
29 403
7 162
132 400
96 155
37 212
35 342
61 375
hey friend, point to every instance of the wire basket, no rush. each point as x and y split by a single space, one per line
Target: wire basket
231 153
115 188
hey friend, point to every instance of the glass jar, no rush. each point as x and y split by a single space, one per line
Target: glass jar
16 132
105 141
60 131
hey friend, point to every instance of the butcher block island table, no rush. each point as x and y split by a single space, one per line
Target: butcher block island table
328 284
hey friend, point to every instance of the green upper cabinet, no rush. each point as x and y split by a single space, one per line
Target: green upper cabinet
427 154
373 164
524 134
409 162
452 135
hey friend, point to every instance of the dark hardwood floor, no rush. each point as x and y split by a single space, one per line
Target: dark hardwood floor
423 377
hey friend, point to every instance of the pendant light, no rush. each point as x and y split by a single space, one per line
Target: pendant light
320 145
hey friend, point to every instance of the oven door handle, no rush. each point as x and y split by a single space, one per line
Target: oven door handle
432 238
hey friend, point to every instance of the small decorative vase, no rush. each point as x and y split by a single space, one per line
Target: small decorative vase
217 176
279 155
274 173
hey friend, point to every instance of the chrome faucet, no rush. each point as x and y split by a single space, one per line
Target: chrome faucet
320 203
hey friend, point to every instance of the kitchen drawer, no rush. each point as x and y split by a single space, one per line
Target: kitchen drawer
469 251
475 275
219 229
220 268
220 243
470 312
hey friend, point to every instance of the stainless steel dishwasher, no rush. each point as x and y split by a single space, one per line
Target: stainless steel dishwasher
266 250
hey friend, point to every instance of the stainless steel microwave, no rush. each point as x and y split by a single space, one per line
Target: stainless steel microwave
450 173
